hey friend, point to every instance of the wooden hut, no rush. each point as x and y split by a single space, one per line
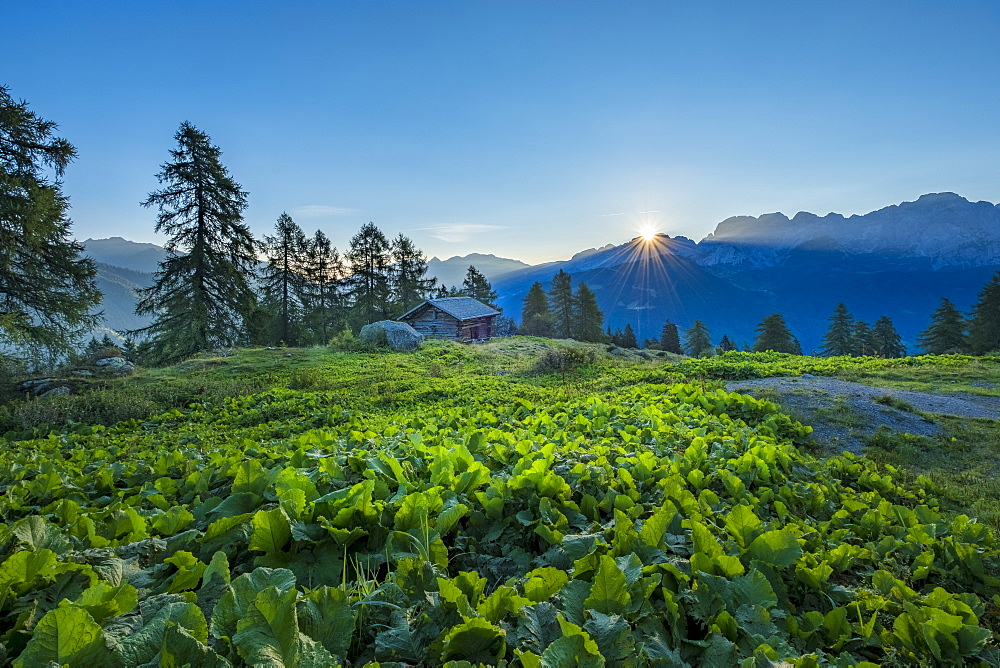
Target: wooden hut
458 318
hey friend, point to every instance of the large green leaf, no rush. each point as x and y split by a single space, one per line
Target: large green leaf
326 616
36 534
271 531
181 649
608 593
240 595
743 524
269 633
142 646
65 635
104 600
777 548
476 641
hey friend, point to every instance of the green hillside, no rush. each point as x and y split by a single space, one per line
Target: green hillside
525 502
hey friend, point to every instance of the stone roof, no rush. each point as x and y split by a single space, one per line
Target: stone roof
460 308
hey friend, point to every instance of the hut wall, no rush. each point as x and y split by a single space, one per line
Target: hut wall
435 324
476 328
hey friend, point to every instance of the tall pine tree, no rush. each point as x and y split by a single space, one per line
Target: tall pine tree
839 339
628 338
536 319
368 285
283 280
561 303
409 282
885 340
324 271
670 339
588 320
726 344
478 287
697 340
984 327
202 295
47 290
946 333
773 334
861 343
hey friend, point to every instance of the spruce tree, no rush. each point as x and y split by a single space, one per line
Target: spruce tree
283 281
409 269
588 320
670 339
773 334
946 333
536 319
886 341
47 290
324 271
202 296
476 286
628 338
368 288
839 339
697 339
726 344
984 327
862 344
561 303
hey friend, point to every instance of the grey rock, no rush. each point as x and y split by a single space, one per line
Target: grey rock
83 373
118 365
60 391
397 335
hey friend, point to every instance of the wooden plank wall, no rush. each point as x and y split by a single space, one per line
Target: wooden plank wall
443 326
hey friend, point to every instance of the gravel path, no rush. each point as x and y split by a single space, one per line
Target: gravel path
842 413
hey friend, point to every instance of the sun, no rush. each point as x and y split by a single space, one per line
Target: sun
648 233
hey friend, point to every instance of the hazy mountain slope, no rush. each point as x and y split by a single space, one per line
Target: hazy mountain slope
119 285
120 252
451 272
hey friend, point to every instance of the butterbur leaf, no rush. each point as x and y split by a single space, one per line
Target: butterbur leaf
65 635
36 533
172 521
777 548
608 594
475 640
543 583
501 602
612 634
143 646
21 569
406 639
271 531
241 593
181 649
752 589
269 633
104 600
539 626
326 616
743 524
189 571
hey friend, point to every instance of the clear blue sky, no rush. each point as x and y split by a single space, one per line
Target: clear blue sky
525 129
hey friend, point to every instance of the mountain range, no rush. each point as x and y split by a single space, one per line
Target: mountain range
897 261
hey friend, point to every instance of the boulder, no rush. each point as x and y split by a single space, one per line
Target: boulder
60 391
397 335
118 365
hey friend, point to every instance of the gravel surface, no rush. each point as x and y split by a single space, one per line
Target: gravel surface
842 413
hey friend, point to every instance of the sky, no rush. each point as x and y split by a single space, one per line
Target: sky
530 130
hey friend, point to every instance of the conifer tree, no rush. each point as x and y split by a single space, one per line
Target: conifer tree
324 271
773 334
839 339
670 339
368 286
536 319
409 282
283 281
47 290
628 338
202 296
726 344
476 286
946 333
588 320
697 339
862 344
886 341
561 304
984 327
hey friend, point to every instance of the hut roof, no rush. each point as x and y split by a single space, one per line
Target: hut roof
460 308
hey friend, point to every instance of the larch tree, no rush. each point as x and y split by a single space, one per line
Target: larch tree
536 319
670 338
283 281
839 339
588 319
324 271
862 345
984 327
47 291
202 294
885 340
726 344
410 285
773 334
561 303
628 339
368 285
697 339
478 287
946 333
